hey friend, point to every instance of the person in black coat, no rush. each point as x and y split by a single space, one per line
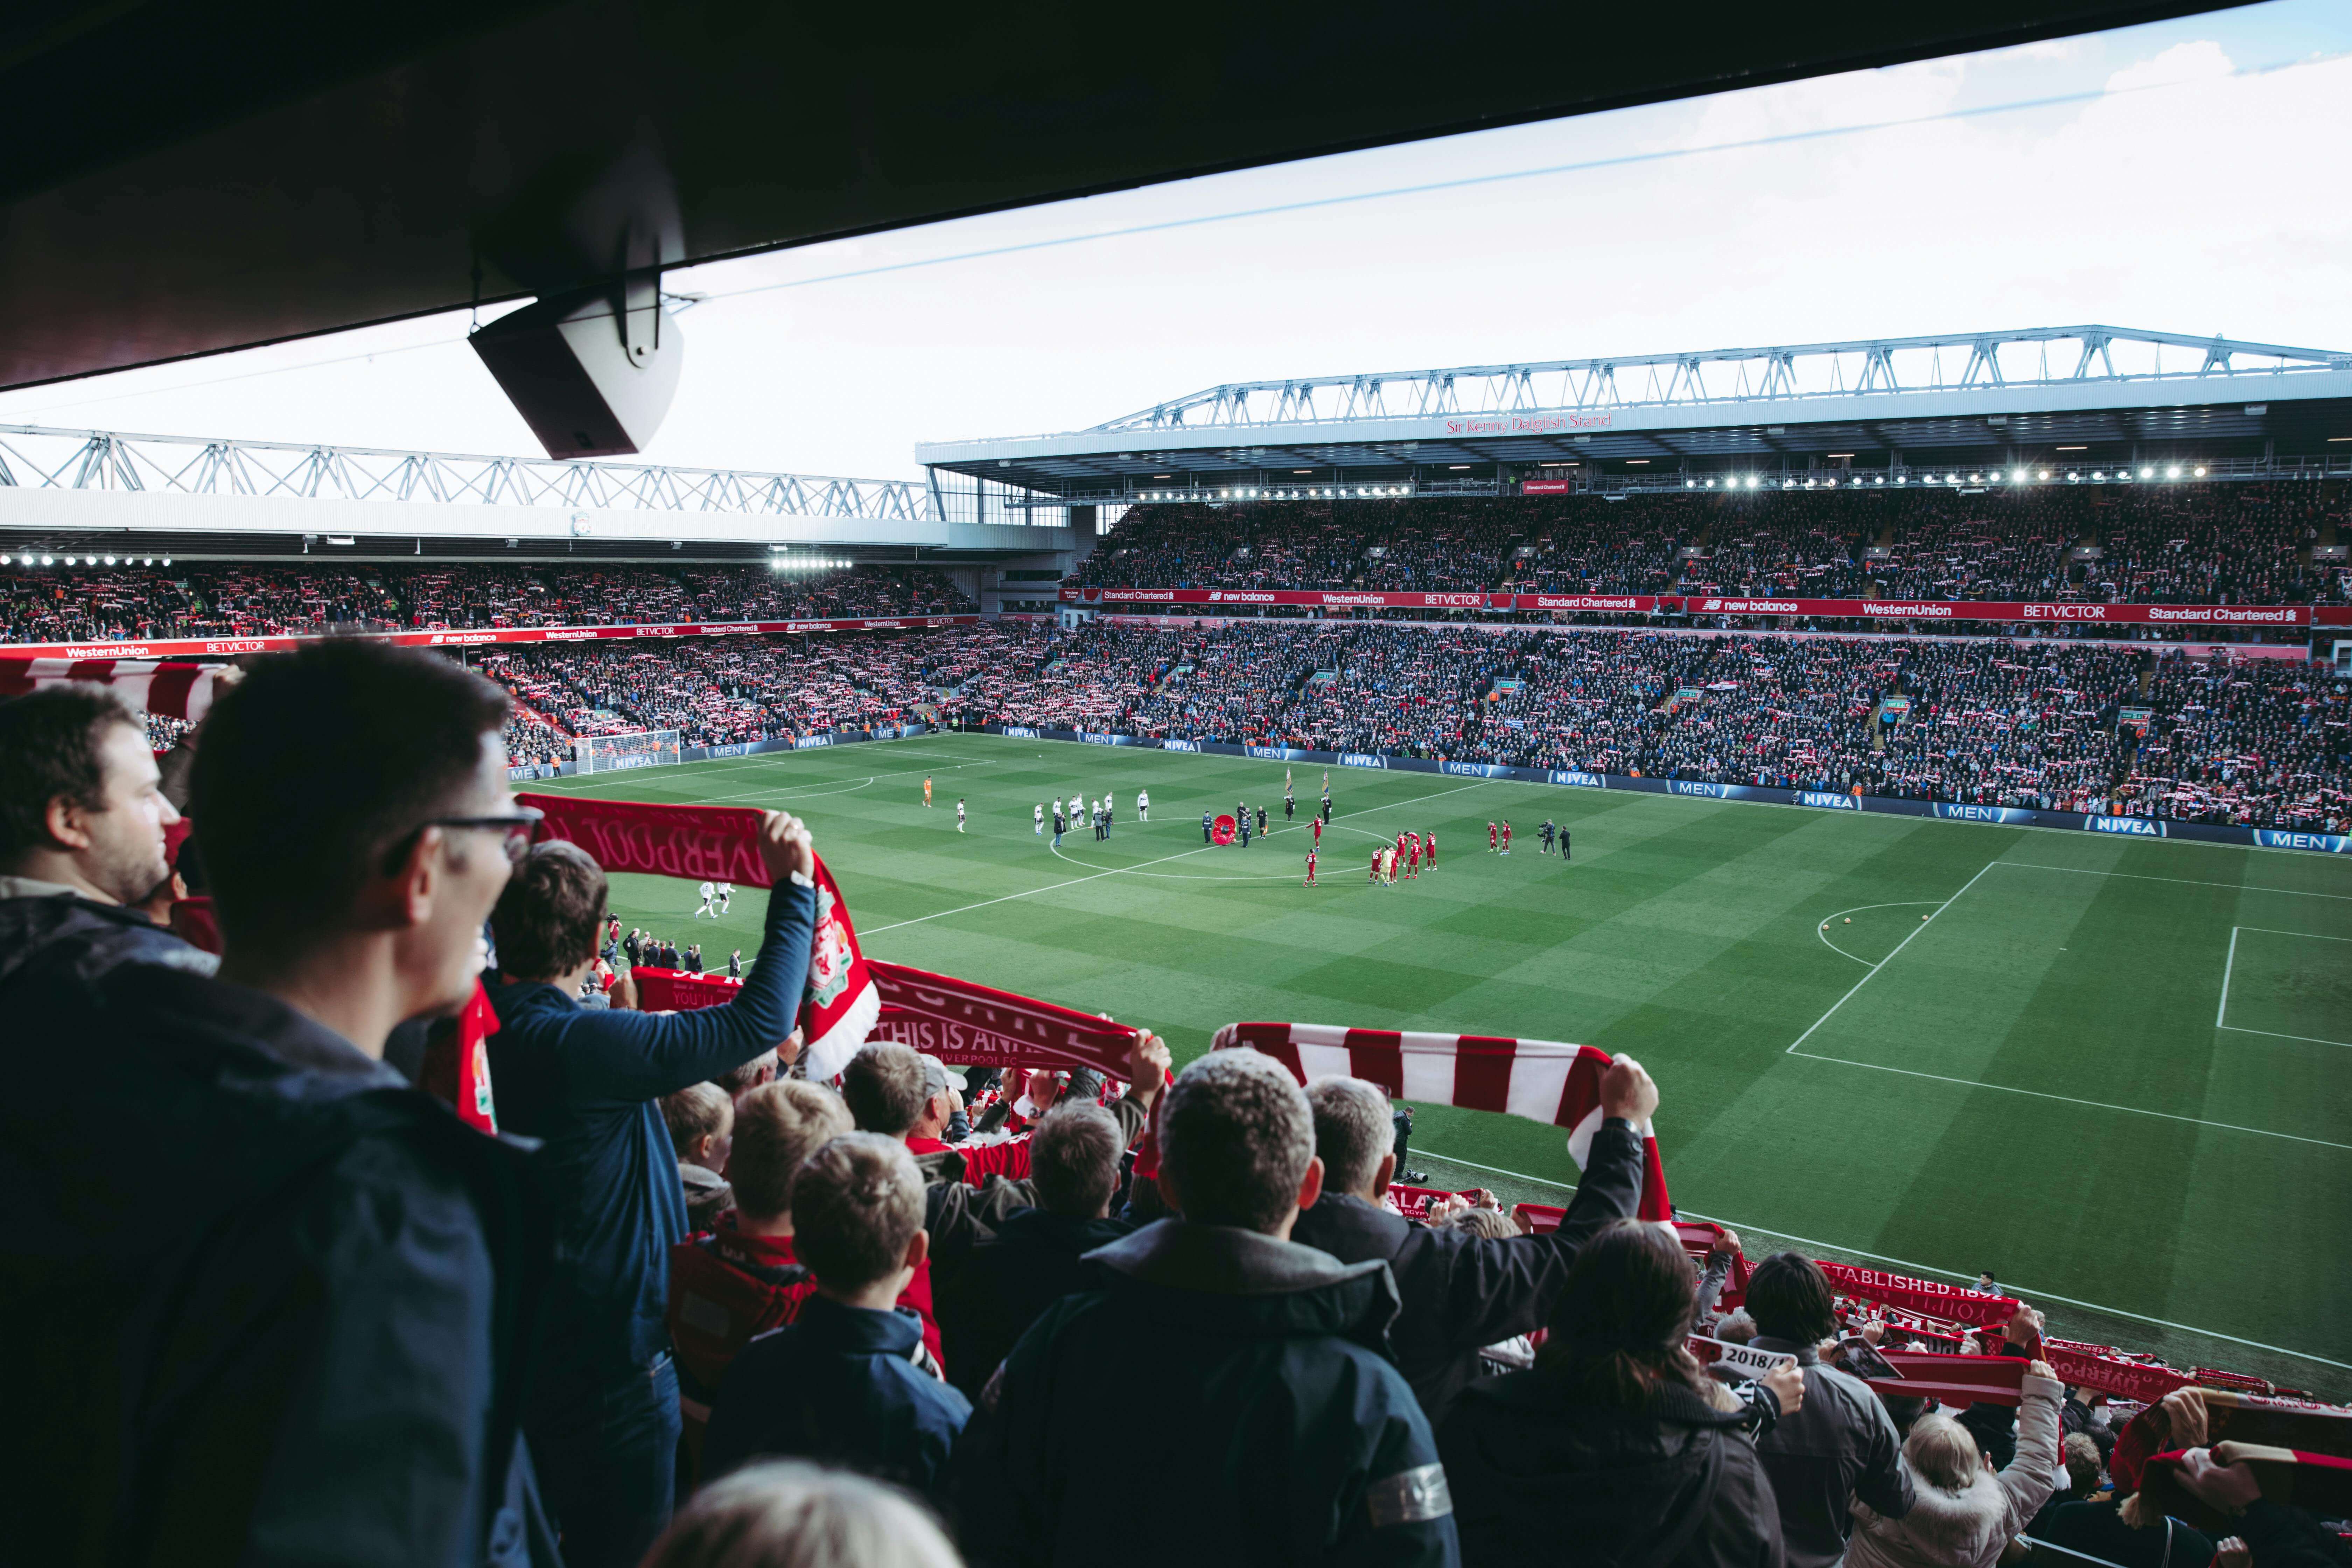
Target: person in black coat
1460 1290
286 1318
1037 1255
1616 1451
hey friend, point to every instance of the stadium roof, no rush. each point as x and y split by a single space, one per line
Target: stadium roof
2108 392
208 174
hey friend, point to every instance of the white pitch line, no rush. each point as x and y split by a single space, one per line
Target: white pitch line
2185 881
1883 963
1123 870
1822 931
2071 1099
2023 1292
2273 1034
2228 965
2310 935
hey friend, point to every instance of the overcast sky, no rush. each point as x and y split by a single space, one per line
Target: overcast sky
2191 177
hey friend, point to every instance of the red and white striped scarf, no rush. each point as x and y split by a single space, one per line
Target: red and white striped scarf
168 690
1542 1080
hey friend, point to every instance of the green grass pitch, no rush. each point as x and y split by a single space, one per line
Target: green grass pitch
2116 1072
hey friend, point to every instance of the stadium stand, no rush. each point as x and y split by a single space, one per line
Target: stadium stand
2204 544
53 604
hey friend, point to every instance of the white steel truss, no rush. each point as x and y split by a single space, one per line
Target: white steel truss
35 457
1730 378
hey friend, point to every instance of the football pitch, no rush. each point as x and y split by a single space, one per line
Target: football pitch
2116 1072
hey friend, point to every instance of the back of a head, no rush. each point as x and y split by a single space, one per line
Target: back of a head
318 765
51 747
2080 1454
1235 1140
789 1515
777 1126
884 1086
1074 1159
698 1110
1790 1299
549 913
1492 1223
1943 1452
1353 1128
1623 1313
856 1203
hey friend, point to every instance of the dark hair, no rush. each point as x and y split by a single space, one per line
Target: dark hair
884 1086
549 913
1790 1299
319 764
1074 1159
856 1203
1623 1314
48 750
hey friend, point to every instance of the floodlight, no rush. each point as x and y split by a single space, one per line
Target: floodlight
2045 473
2147 473
2200 470
2173 472
47 561
2071 477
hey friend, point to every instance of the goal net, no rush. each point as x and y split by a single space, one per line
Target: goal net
609 753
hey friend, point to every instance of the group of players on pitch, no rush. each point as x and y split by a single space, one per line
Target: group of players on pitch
1390 861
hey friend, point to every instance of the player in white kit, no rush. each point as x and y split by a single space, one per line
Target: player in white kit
710 891
1143 806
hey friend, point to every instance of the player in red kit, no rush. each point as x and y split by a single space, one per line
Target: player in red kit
1431 844
1507 835
1490 838
1310 881
1318 833
1376 862
1413 855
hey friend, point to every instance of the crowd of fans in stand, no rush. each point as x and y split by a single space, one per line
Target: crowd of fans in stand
727 1303
2054 725
196 600
2160 544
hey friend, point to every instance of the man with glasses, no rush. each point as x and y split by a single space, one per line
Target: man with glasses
287 1314
603 1415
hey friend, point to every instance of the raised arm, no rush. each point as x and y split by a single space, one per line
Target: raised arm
639 1056
1501 1287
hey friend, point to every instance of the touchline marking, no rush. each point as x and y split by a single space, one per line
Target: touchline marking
1822 929
1918 1267
1122 870
2221 1014
2186 881
2312 1039
1883 963
2070 1100
2231 963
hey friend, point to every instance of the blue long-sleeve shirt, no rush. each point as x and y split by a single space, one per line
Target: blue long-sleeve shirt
587 1082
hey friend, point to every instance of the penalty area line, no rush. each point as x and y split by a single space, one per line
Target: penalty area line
2023 1292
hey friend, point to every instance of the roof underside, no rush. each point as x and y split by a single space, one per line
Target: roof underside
205 175
2105 392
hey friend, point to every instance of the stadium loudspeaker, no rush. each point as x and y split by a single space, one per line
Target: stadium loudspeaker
592 373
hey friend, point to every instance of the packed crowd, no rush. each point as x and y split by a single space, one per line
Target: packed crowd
192 600
2053 725
50 605
2203 544
720 1305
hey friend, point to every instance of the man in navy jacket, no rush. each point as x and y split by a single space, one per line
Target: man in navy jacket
604 1417
267 1303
